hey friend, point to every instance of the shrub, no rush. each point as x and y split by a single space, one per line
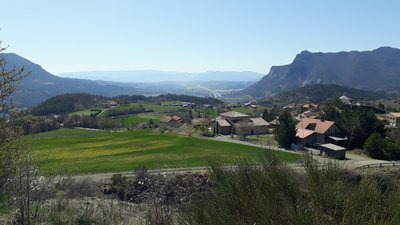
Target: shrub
73 188
274 193
378 147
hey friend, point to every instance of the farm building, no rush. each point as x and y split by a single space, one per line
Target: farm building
333 151
171 120
110 103
201 122
260 126
393 119
229 123
222 127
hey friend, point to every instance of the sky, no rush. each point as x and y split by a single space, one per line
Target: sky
191 35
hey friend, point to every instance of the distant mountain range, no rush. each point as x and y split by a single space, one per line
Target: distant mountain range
41 85
146 76
368 70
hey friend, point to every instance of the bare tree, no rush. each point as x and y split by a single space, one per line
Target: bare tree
243 129
10 131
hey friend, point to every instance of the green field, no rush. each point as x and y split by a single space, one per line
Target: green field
248 110
86 112
84 151
142 118
153 107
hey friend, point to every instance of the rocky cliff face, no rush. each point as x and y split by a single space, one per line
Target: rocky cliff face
369 70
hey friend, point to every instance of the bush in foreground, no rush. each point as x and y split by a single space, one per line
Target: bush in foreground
274 193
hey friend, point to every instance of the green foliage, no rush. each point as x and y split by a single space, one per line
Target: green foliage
67 103
285 132
91 122
273 193
271 115
132 109
378 147
357 123
36 124
265 115
330 112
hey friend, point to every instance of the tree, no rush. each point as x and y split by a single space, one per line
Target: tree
330 112
243 129
359 125
190 114
378 147
265 115
11 148
285 132
374 146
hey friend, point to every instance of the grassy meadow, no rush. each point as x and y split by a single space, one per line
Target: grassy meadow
153 107
86 151
141 118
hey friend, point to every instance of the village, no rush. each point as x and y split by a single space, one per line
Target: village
313 132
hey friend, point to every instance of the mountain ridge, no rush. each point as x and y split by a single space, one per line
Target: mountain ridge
40 84
374 70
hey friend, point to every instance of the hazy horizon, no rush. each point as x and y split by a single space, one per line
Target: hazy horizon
163 76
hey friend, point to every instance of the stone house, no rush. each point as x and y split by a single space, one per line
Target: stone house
230 122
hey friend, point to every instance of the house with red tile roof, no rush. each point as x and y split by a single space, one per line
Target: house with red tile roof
171 120
312 131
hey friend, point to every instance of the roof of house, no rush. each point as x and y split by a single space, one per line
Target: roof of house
223 123
233 114
259 122
304 133
201 120
338 138
308 113
165 119
176 118
310 106
316 125
333 147
395 114
344 97
274 122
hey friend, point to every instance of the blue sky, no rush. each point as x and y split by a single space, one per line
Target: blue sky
191 35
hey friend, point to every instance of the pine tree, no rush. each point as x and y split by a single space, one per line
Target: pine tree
265 115
285 132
